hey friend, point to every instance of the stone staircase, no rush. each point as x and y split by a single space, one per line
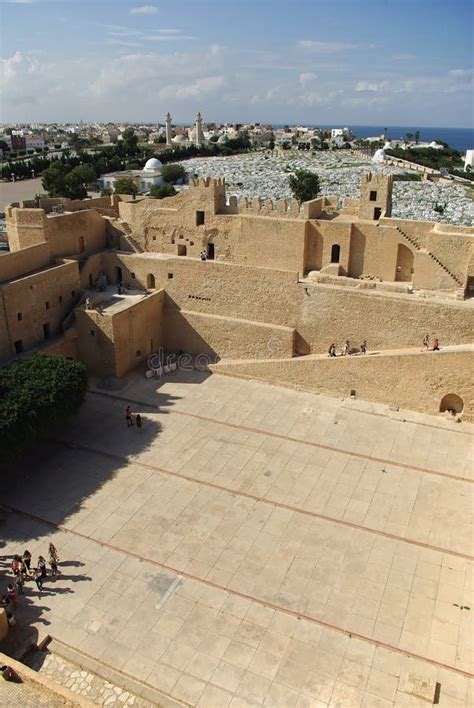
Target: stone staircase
93 679
417 246
126 234
70 318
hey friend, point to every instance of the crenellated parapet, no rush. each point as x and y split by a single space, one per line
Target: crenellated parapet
264 207
208 182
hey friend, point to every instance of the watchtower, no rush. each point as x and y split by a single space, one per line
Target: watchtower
375 196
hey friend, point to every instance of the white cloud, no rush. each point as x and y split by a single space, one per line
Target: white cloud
370 85
461 72
328 47
307 77
21 2
144 10
201 87
166 37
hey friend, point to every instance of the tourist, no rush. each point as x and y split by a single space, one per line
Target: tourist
139 422
20 581
435 347
42 566
128 416
15 564
11 594
345 348
53 560
27 559
363 347
38 577
332 350
426 342
203 256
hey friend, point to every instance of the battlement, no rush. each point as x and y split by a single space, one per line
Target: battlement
376 179
208 182
263 206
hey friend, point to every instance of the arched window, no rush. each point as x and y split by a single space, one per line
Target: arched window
150 281
335 253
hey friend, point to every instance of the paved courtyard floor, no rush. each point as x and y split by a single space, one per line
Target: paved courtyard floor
255 545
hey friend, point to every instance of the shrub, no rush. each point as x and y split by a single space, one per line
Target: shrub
38 394
167 190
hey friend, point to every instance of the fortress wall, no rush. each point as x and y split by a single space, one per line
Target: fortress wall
414 381
63 232
29 296
17 263
220 337
138 332
25 227
320 313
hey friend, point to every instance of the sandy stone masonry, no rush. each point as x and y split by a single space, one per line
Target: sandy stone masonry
280 280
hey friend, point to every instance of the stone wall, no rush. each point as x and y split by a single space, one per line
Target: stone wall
320 313
42 298
415 381
18 263
224 337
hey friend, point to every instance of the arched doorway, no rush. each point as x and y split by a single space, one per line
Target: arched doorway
405 261
150 281
335 253
210 251
451 402
118 274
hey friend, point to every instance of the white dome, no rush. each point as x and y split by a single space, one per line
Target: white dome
179 139
379 155
152 165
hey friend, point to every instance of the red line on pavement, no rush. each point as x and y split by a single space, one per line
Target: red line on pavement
263 500
300 441
252 598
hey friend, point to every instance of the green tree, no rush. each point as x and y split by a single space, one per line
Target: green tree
125 185
38 394
53 179
4 146
106 192
172 173
166 190
304 185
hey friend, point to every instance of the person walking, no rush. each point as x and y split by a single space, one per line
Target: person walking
27 559
426 342
15 564
53 560
332 350
38 577
363 347
345 348
139 422
128 416
20 581
11 593
42 566
435 347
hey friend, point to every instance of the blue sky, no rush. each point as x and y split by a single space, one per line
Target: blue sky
393 62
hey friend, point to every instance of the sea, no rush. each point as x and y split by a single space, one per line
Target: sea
461 139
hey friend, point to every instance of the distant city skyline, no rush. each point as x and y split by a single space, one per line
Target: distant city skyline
396 62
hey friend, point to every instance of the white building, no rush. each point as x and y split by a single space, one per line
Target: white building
469 160
143 179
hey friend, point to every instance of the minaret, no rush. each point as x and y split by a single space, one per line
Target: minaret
199 137
169 132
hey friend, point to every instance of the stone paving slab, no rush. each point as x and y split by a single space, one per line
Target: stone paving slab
218 595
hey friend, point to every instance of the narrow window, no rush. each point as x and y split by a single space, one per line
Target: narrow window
60 298
139 352
150 281
19 316
182 250
19 346
73 293
373 196
46 330
200 217
46 304
170 276
92 333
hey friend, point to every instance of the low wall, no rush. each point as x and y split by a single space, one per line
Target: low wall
224 337
415 381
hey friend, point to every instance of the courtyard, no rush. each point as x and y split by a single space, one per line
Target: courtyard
254 545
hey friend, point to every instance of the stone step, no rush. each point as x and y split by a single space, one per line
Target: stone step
121 679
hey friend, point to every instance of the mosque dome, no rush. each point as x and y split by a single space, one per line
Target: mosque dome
379 155
152 165
179 139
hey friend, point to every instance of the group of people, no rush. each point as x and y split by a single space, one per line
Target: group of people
203 256
346 348
129 418
427 345
22 570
